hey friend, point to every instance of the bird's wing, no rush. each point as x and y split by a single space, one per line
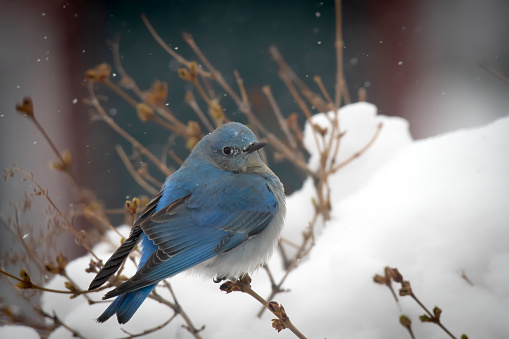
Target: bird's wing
116 260
213 219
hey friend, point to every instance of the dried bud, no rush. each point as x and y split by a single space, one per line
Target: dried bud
99 73
63 166
136 202
426 319
278 310
157 93
26 107
246 280
51 268
26 283
278 325
94 266
184 74
227 287
81 239
131 206
193 70
378 279
405 321
62 261
396 276
70 286
405 289
274 307
321 130
24 275
145 112
437 312
59 268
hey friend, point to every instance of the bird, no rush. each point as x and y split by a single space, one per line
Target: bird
219 215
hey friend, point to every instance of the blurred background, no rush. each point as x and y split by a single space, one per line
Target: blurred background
417 59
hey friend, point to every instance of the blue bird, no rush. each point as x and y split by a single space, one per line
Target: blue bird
220 214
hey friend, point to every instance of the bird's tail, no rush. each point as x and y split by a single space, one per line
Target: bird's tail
125 305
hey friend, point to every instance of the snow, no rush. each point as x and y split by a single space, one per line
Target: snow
434 208
9 331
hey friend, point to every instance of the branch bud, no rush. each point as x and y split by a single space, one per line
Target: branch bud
145 112
26 107
405 289
99 73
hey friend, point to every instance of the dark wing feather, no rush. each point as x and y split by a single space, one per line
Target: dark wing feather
116 260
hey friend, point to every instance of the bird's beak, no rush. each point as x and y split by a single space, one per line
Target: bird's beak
254 147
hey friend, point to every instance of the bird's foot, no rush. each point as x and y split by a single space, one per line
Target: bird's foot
217 280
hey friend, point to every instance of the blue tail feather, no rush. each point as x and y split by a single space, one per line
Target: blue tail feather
126 305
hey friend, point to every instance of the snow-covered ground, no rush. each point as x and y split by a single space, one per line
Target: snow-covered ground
435 209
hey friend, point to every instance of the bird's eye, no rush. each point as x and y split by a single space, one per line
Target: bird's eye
227 150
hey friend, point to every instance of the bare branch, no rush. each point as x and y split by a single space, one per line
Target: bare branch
130 168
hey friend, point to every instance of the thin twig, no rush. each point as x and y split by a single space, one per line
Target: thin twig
215 74
269 274
318 80
361 151
339 54
58 321
191 101
282 122
175 158
167 48
120 92
492 70
143 171
154 329
284 72
132 171
31 285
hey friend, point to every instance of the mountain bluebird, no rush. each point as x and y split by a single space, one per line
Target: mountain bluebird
220 214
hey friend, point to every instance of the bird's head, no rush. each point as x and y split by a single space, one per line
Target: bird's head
232 147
